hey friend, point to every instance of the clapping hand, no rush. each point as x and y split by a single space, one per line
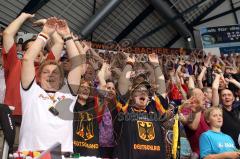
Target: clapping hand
50 26
63 29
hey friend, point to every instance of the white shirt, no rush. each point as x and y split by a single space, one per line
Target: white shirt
40 129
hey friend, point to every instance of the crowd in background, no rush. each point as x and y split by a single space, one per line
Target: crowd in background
166 106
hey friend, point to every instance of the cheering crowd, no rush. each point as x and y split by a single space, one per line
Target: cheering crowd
114 106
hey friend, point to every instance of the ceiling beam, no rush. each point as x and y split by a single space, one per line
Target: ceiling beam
234 13
93 12
195 6
205 13
173 6
98 17
33 6
200 17
165 11
135 23
218 16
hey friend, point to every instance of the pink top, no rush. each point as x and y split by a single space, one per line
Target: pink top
194 135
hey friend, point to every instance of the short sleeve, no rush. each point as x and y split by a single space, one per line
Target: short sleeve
27 95
30 89
10 59
205 146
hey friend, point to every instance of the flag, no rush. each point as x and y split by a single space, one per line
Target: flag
54 152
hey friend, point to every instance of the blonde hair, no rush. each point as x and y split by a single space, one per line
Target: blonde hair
208 112
52 62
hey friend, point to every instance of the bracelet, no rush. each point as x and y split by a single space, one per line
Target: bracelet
44 40
130 63
43 35
40 36
67 38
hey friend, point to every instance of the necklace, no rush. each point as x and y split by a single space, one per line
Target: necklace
52 97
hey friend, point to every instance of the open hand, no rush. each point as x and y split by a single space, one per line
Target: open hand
105 72
50 26
62 28
27 15
153 58
194 104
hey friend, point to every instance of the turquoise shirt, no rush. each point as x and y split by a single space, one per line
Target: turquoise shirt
212 142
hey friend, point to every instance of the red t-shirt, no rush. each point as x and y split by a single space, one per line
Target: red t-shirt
12 71
175 93
193 136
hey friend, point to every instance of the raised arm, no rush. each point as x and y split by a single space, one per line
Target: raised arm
233 81
124 80
159 77
204 69
103 75
180 88
56 39
12 29
191 120
74 76
150 69
221 61
191 84
96 56
215 86
28 70
81 45
57 46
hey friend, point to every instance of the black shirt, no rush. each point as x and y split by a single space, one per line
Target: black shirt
139 135
85 129
231 125
139 138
